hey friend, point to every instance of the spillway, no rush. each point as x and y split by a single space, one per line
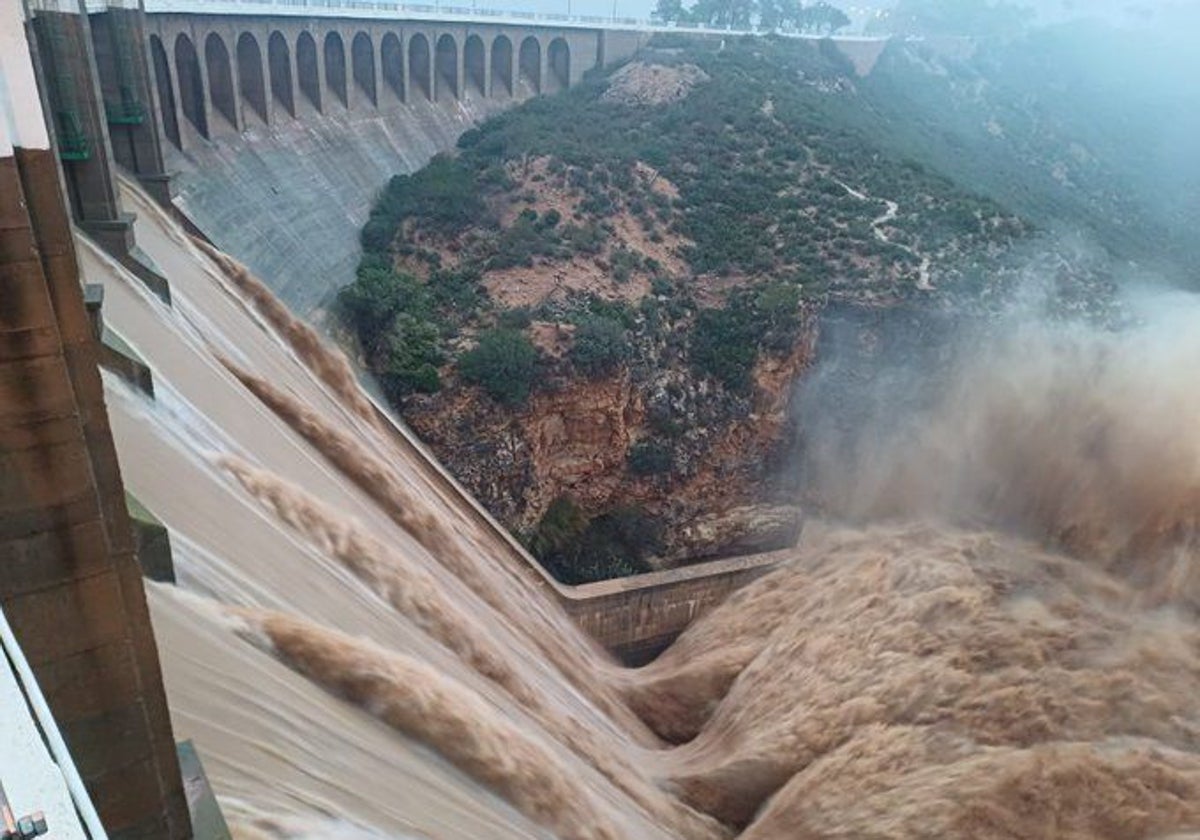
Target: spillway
274 743
357 651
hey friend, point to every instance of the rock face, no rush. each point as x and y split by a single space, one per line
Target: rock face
575 438
639 83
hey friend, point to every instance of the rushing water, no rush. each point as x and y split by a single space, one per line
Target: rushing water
1001 640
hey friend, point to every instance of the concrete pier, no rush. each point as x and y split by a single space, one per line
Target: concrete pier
69 583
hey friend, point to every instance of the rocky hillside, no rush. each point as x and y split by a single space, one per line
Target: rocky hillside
596 310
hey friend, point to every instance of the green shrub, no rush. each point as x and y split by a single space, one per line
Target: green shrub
650 457
724 345
376 296
444 194
601 345
503 364
577 550
519 318
410 357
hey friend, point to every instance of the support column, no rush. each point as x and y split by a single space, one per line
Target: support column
460 66
487 64
376 33
69 584
544 72
130 96
168 43
407 97
71 91
264 60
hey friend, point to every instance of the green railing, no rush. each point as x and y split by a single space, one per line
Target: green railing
73 143
128 111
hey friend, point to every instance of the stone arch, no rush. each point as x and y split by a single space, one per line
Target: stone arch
418 65
191 84
391 58
362 60
307 68
558 59
250 74
502 67
529 65
446 61
474 65
279 64
220 77
335 66
166 94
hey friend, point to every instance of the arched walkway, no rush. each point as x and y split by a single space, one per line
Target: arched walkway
191 84
362 59
529 64
558 57
279 64
220 77
391 57
307 69
474 65
447 66
166 95
418 64
335 66
502 67
250 74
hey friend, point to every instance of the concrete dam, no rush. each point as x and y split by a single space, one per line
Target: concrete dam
254 606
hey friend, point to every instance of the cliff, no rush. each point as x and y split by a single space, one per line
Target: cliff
595 312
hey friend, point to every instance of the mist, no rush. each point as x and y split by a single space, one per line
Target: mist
1079 435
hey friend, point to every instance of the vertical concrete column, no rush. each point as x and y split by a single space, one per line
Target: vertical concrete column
488 40
355 98
167 37
71 91
327 94
263 35
460 65
408 94
376 32
68 582
235 75
298 95
198 37
130 97
544 56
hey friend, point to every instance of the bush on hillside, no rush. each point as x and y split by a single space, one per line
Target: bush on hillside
601 345
577 550
650 457
504 364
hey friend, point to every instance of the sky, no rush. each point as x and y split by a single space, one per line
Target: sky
1132 12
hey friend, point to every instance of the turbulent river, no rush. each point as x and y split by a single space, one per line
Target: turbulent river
992 635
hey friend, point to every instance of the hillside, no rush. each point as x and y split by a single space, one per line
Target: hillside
596 310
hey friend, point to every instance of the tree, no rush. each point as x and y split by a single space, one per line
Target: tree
503 364
375 297
410 357
600 346
668 11
724 345
821 17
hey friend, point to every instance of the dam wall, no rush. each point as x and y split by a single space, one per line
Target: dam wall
69 582
289 199
280 131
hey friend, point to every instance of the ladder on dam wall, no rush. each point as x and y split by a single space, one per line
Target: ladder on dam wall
37 773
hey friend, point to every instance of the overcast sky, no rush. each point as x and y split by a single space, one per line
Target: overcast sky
860 11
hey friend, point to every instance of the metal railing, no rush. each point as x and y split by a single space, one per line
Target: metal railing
12 656
383 9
